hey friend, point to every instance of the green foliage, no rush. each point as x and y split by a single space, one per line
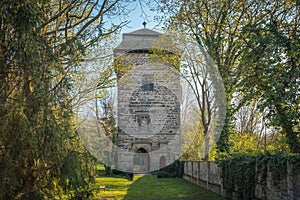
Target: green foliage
193 137
224 144
238 174
175 170
242 172
272 68
246 142
255 45
216 26
42 42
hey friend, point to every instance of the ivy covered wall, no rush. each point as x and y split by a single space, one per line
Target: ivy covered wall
247 177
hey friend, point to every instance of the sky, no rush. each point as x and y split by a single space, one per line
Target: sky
138 14
136 21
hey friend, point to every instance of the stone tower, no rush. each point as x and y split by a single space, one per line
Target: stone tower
148 104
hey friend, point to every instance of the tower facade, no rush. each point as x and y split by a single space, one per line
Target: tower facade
148 104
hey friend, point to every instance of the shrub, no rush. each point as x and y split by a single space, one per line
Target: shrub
171 171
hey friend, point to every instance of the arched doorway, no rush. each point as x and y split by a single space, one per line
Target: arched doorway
162 162
141 161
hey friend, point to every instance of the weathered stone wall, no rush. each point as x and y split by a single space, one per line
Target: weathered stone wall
208 176
148 118
161 102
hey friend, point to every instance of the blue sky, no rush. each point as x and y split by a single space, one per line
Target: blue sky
136 21
139 14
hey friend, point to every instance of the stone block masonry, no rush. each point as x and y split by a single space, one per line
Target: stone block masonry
148 105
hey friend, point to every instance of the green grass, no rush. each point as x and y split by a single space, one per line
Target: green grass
148 188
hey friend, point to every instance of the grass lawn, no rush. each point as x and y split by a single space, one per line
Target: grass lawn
147 188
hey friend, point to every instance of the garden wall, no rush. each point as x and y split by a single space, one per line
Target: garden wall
270 186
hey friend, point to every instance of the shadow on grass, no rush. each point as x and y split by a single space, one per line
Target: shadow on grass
150 188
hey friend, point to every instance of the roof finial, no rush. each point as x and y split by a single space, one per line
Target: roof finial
144 23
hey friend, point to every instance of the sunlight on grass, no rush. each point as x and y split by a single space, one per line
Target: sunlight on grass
150 188
116 187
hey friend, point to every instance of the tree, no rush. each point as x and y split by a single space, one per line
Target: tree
222 28
254 131
201 78
272 67
191 129
193 137
216 26
107 121
42 42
